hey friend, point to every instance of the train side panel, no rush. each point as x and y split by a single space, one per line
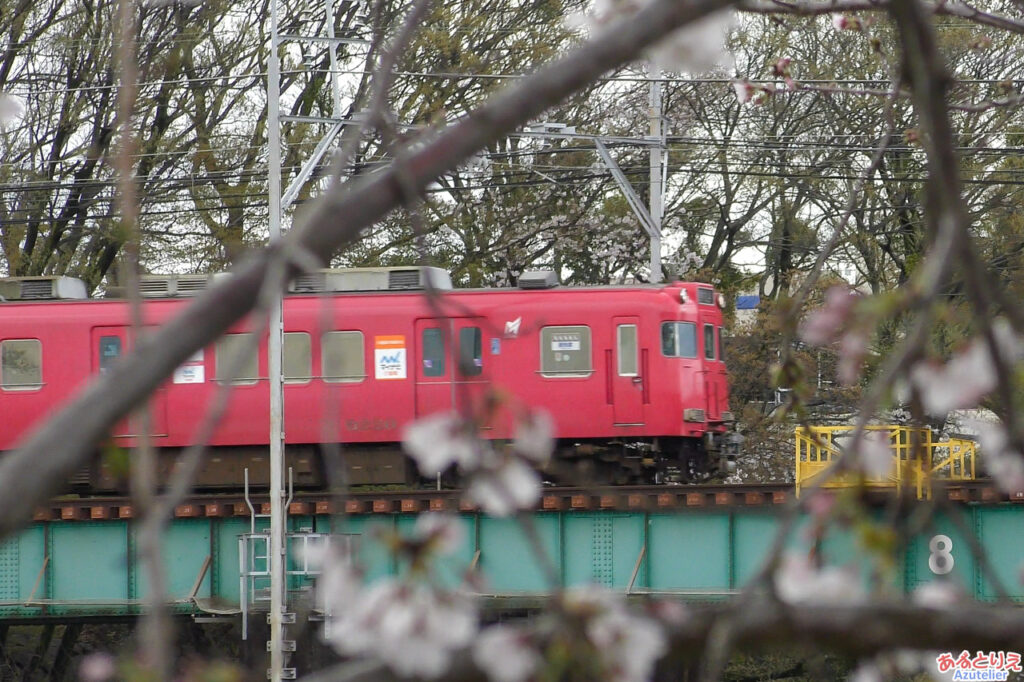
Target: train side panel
612 365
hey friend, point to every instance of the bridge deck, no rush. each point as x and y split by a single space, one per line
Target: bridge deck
704 547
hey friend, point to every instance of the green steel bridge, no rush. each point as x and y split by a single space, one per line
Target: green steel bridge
79 558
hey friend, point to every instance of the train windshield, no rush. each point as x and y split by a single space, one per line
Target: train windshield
679 339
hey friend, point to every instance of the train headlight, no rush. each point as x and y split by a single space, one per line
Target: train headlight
721 301
693 414
683 296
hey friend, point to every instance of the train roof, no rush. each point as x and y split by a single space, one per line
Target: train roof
336 282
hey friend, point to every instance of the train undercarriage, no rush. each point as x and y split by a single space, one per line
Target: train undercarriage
672 461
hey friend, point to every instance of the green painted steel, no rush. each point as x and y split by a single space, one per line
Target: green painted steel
64 569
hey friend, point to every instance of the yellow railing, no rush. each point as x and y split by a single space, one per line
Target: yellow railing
918 459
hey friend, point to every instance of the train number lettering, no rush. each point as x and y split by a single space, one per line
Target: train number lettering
371 424
941 560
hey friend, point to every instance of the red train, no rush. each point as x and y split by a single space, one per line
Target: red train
633 376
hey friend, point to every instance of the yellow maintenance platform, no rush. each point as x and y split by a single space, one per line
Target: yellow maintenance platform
918 459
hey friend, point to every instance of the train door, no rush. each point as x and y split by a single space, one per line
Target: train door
109 344
711 367
472 377
450 371
434 387
627 372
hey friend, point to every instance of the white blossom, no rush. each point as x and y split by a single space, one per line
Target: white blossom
744 90
411 627
438 441
694 48
866 672
799 581
11 109
847 22
968 376
938 594
628 644
511 486
506 654
97 667
534 436
697 47
443 531
1004 463
874 455
853 346
823 326
339 583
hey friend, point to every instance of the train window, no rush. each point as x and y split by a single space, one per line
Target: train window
238 352
471 354
433 352
679 339
342 357
110 350
297 360
21 364
709 341
705 296
627 350
565 351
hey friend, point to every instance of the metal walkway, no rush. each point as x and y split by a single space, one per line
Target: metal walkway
919 459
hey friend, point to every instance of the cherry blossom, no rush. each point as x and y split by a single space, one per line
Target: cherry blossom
938 594
820 505
1004 462
824 325
506 488
694 48
753 93
698 47
866 672
411 627
500 483
853 347
874 454
629 645
668 611
968 376
11 109
438 441
744 89
847 22
799 581
506 654
440 532
409 624
836 321
783 68
98 667
534 436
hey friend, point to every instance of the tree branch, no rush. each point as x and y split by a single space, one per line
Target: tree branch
37 470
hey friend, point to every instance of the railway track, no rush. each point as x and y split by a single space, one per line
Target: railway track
627 498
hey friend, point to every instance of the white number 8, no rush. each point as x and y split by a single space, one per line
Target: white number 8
941 560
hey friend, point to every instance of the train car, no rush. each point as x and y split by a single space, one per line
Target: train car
633 376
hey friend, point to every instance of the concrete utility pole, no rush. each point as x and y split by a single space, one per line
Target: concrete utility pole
656 174
275 341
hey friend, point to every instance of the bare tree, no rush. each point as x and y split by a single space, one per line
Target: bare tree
784 601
